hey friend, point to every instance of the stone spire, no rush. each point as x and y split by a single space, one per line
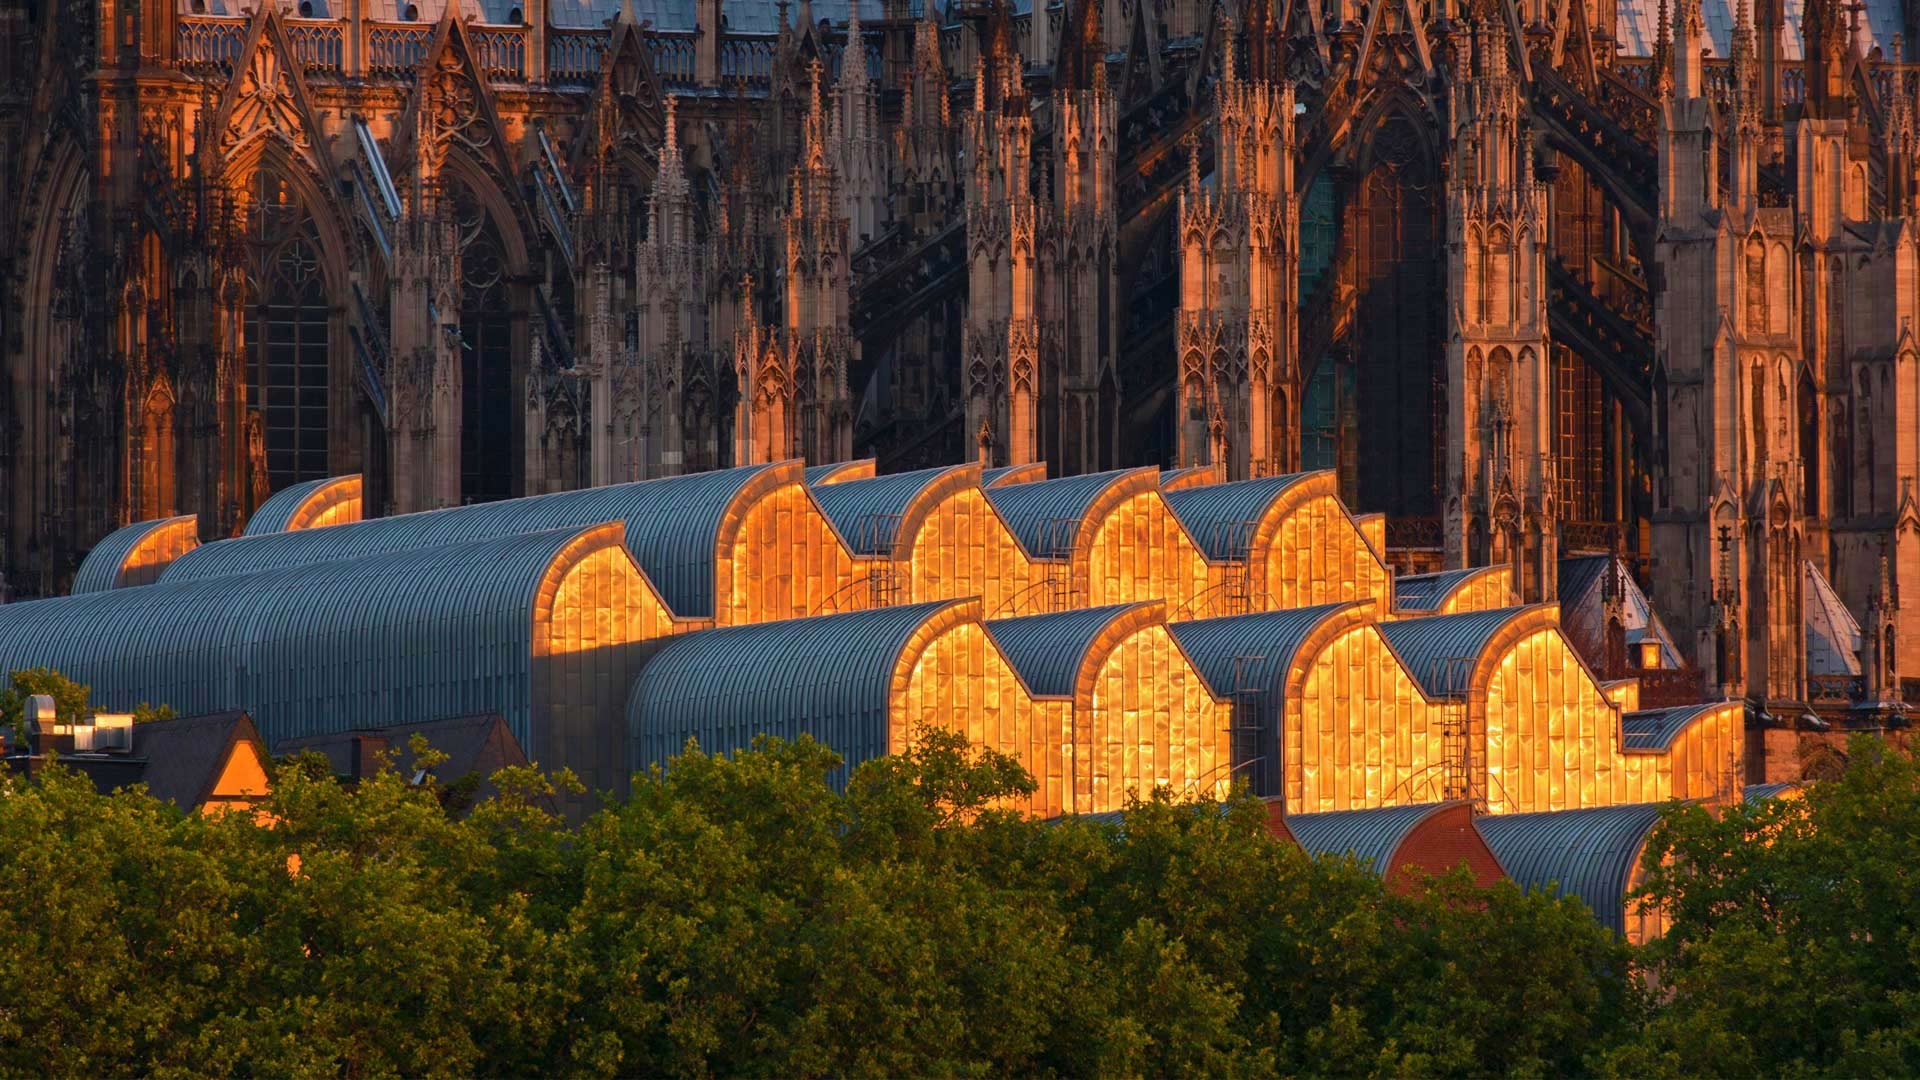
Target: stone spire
1499 506
859 151
1879 647
1081 301
799 404
1236 330
1000 350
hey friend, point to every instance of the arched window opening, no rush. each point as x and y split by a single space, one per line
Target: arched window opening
486 357
1809 420
287 346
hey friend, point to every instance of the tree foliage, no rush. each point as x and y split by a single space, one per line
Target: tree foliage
1793 945
70 699
744 916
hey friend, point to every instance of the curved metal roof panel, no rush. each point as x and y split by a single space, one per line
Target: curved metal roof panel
1655 729
1589 854
103 566
1189 476
1439 650
1215 646
867 512
861 469
671 526
1048 650
1006 475
1373 835
278 512
1210 511
389 638
1045 515
827 676
1755 794
1426 592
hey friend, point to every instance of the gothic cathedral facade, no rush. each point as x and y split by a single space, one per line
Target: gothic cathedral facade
1533 280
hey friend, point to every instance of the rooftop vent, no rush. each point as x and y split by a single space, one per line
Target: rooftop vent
110 733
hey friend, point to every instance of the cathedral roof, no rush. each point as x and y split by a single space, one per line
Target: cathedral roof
1833 637
1640 23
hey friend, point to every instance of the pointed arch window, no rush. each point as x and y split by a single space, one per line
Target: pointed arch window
486 357
287 338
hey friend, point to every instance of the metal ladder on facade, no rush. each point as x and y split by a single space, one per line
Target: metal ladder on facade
1235 539
1057 537
1456 746
1248 727
881 533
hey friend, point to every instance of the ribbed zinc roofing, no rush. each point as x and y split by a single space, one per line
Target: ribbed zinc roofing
100 570
1439 650
1755 794
1045 515
1585 853
1655 729
1372 835
1214 645
1007 473
1426 592
671 527
817 473
827 676
1211 510
277 512
1171 477
1048 650
867 511
384 639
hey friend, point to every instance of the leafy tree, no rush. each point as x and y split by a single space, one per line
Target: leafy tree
1793 940
69 697
146 712
744 916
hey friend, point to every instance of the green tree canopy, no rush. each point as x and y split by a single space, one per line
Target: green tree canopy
1793 945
